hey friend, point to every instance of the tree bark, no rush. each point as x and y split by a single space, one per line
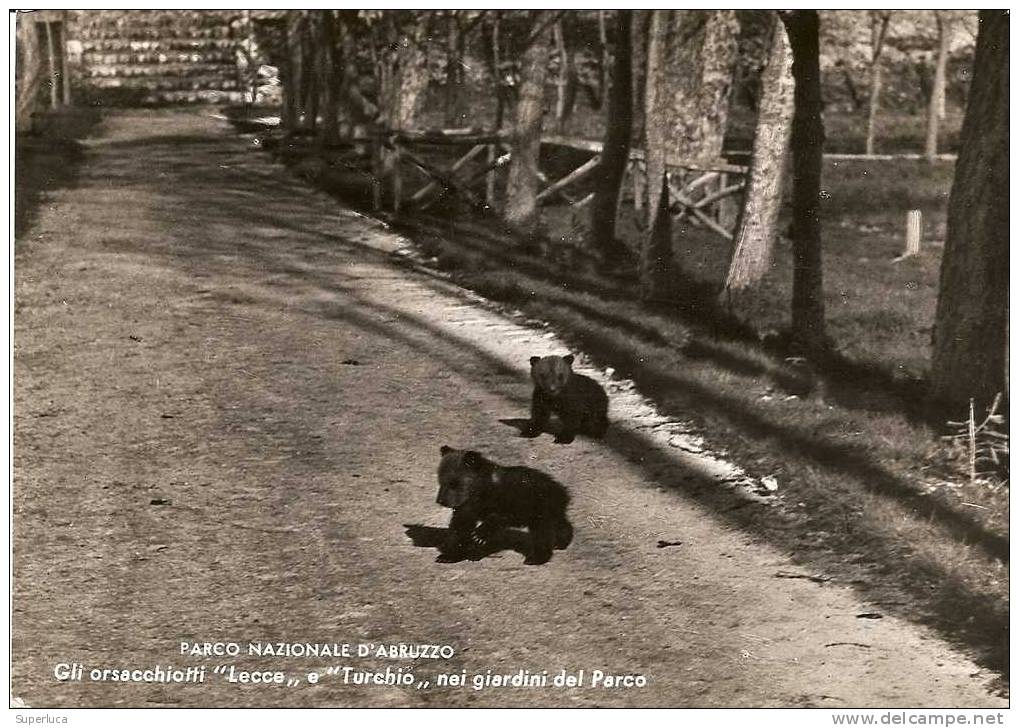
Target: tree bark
807 141
879 28
28 72
971 325
454 62
762 200
404 72
329 78
656 257
566 82
656 265
521 211
936 107
605 59
313 66
357 110
639 27
616 149
291 71
691 57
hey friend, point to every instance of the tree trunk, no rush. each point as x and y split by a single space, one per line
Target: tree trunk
691 58
521 210
28 70
329 78
291 71
639 28
936 108
604 60
357 110
312 65
566 82
762 200
807 141
454 61
656 266
879 28
970 333
656 258
616 150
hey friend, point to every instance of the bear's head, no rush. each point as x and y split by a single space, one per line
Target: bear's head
552 373
462 473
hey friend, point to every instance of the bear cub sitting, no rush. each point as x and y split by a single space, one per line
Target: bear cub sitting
486 497
580 402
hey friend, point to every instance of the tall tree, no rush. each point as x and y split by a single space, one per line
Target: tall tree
454 68
690 61
971 325
292 71
566 79
936 107
762 200
879 20
640 23
402 65
312 63
616 149
521 210
330 132
807 141
357 111
656 257
640 27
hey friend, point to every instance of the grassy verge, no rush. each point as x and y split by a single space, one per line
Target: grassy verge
870 496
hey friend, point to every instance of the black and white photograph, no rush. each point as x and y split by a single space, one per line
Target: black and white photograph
509 358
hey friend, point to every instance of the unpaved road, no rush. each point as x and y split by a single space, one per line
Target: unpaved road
226 411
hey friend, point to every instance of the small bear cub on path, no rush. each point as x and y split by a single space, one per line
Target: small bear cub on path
486 497
580 402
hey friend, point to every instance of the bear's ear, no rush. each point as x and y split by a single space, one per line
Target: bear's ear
535 360
568 359
445 449
472 458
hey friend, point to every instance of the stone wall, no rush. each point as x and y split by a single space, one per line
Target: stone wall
141 57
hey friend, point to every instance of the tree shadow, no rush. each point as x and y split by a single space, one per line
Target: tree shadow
199 190
47 159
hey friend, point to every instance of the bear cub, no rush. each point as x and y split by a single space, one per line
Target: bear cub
580 402
486 497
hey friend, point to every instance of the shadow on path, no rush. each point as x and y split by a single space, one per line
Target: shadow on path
238 217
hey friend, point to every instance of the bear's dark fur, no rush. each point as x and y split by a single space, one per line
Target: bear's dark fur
580 402
486 497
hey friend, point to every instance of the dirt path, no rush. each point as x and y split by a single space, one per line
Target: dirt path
227 408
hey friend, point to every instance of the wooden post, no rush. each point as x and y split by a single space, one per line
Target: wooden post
914 228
